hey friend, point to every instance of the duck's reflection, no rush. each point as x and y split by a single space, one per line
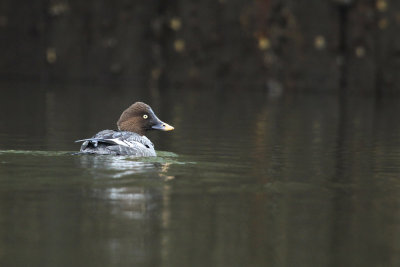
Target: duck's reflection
133 202
121 166
140 187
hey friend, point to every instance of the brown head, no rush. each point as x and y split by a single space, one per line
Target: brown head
139 118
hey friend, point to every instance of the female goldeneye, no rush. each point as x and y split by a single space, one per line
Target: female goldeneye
129 139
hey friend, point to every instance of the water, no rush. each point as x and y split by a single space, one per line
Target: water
246 179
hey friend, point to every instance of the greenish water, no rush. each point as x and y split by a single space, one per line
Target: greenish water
246 179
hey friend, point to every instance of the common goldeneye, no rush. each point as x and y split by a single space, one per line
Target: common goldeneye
134 122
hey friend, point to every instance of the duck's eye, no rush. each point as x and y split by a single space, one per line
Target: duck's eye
145 116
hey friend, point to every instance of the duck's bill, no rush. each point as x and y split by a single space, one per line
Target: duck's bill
162 126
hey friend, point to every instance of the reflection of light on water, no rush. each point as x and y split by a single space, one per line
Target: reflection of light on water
122 194
164 170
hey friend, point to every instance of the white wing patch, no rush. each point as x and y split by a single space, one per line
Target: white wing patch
132 144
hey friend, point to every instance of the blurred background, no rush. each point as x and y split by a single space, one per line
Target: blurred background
330 46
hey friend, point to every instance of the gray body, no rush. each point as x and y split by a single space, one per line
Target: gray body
109 142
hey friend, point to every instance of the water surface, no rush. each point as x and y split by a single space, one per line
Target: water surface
246 179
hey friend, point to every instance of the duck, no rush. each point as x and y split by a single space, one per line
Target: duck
129 139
